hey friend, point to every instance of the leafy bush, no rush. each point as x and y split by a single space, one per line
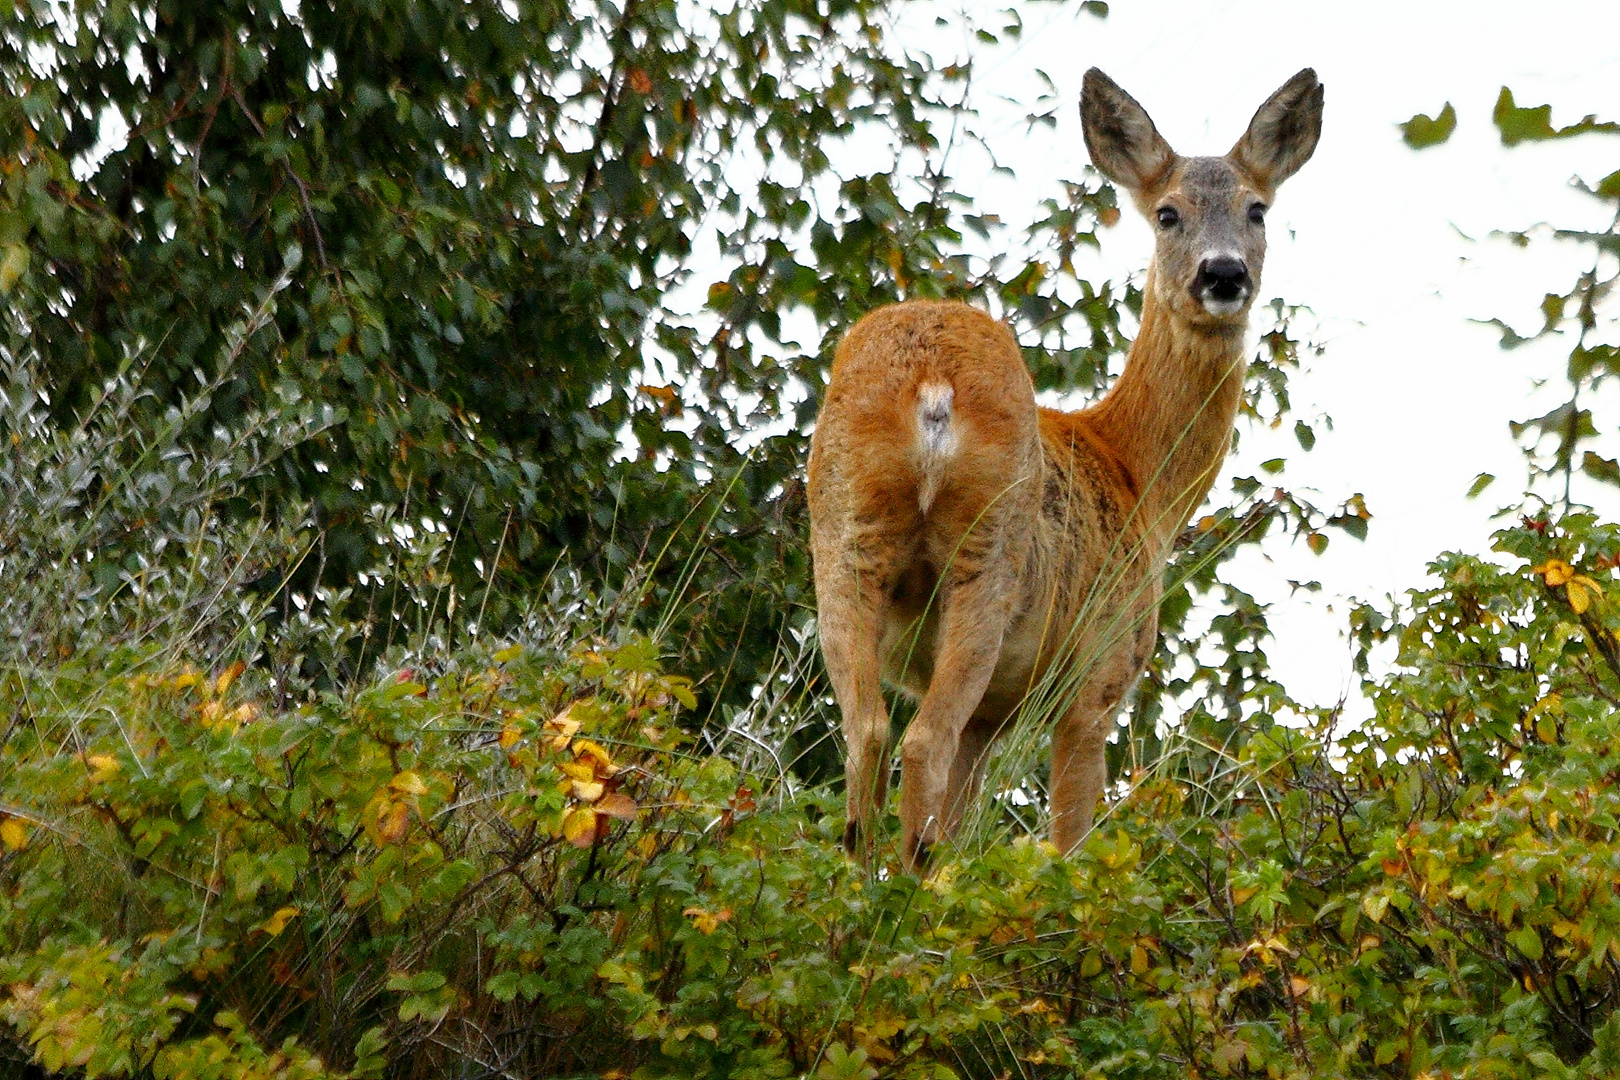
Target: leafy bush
526 867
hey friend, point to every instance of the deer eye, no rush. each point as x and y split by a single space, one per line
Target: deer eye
1257 213
1169 217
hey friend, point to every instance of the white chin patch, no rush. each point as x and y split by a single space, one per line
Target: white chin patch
1222 308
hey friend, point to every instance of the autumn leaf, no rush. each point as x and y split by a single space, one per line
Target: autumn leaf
562 726
604 763
706 922
587 790
14 834
509 737
408 783
579 827
618 806
276 923
228 676
577 770
392 823
1554 572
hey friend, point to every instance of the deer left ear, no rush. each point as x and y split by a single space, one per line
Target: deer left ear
1120 136
1283 134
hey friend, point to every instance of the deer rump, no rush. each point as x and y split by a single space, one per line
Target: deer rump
966 532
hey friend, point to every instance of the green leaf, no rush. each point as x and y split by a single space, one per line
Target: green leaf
418 983
1534 124
1274 466
1527 940
1422 131
503 987
1600 468
1481 482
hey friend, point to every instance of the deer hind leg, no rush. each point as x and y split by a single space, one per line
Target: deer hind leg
1080 740
1079 768
972 621
853 601
967 770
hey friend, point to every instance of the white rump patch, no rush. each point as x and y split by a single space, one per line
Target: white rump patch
936 437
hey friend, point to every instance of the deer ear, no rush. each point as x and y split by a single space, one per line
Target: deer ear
1120 136
1282 136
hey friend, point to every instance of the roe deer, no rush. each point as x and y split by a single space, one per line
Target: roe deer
971 547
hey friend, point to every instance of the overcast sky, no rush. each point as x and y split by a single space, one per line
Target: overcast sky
1390 247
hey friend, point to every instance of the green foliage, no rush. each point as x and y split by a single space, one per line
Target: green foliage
523 863
487 219
1534 124
1576 442
1422 131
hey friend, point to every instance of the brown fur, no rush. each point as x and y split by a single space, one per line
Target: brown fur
968 543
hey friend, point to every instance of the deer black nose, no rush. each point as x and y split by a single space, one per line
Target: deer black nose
1223 278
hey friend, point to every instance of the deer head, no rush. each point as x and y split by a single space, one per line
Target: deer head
1209 213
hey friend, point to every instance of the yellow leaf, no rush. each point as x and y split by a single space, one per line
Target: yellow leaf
563 723
706 922
1554 571
211 714
509 737
185 679
105 767
584 748
1139 960
408 783
14 834
619 806
578 770
392 823
12 266
579 827
228 676
276 923
586 790
1579 601
508 654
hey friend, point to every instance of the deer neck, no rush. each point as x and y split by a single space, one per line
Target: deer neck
1169 415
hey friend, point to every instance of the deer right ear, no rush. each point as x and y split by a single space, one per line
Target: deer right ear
1120 135
1283 134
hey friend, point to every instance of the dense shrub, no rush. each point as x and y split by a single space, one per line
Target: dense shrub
523 865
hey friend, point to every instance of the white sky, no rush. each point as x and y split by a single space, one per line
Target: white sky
1371 235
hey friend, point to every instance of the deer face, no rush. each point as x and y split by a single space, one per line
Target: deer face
1208 212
